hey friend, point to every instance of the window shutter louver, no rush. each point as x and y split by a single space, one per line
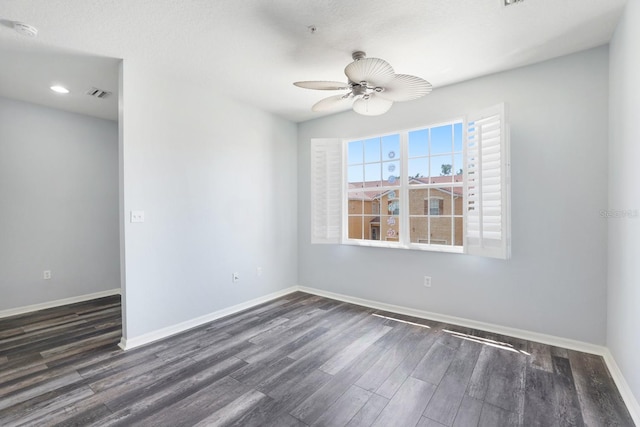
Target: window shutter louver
326 190
487 192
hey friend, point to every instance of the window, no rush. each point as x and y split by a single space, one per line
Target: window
443 187
433 206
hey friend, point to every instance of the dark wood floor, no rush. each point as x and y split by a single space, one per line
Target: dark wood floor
296 361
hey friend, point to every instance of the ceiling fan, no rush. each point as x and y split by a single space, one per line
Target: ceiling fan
373 87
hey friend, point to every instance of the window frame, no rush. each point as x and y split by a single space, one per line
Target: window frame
486 214
403 238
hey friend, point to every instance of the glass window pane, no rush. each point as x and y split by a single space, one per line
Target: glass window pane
372 228
458 200
435 206
355 227
393 207
372 150
390 203
458 166
372 175
391 147
355 154
457 232
391 172
355 176
356 203
417 199
457 137
375 207
389 228
419 230
440 231
442 139
442 166
418 169
441 201
419 143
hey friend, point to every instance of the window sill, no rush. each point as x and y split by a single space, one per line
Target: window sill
412 246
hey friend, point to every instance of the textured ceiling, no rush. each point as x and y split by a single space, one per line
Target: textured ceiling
254 49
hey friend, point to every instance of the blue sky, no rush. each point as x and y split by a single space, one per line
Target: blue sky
376 159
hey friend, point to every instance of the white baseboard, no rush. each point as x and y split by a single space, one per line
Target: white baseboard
623 387
57 303
468 323
128 344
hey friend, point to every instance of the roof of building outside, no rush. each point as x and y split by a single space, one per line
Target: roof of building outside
370 193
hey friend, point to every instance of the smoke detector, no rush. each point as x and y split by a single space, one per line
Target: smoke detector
25 29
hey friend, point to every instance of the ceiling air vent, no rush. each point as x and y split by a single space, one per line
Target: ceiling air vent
98 93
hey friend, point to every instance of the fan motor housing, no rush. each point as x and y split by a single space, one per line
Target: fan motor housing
358 55
358 89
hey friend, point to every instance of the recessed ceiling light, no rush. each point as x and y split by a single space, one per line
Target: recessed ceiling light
59 89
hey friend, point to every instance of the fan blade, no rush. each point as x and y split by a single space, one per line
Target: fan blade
374 106
375 71
330 103
322 85
405 88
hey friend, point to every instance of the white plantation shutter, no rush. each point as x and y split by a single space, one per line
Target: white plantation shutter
487 189
326 190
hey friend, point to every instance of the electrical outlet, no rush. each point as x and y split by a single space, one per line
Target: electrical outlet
46 275
137 216
427 281
259 271
235 277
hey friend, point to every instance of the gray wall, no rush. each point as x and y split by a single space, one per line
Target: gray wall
59 204
623 338
217 182
555 282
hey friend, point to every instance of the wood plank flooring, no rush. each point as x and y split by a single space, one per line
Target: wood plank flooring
300 360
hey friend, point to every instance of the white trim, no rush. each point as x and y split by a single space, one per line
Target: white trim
623 387
489 327
128 344
57 303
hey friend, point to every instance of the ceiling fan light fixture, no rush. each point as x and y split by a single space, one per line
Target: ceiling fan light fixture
371 105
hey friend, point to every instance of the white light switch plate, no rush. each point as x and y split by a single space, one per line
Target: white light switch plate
137 216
